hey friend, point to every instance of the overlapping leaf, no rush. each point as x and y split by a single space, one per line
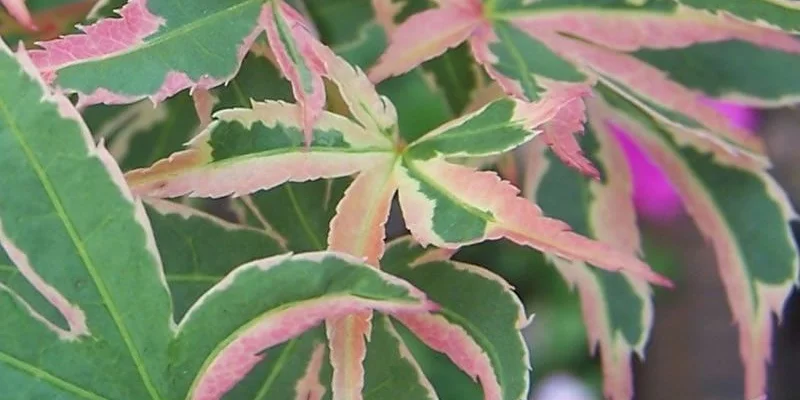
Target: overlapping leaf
176 48
139 134
489 346
368 146
101 272
156 36
534 49
478 327
198 251
444 204
757 262
616 308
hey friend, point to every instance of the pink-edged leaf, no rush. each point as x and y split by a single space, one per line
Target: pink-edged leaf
19 11
495 128
613 220
653 91
292 44
678 29
374 112
452 340
424 36
347 338
460 328
616 308
450 206
102 327
559 129
778 14
509 55
359 225
224 354
559 133
246 150
758 264
204 103
156 37
358 229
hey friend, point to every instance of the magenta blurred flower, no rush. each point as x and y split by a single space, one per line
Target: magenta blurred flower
654 195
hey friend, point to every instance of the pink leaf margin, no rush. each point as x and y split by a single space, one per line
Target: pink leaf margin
74 316
231 363
753 320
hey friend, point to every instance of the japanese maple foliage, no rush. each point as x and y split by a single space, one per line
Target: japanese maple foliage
144 291
534 49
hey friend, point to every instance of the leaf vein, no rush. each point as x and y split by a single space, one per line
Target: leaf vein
48 377
69 226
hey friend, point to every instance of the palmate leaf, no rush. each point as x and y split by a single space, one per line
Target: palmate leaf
758 263
532 49
486 316
444 204
233 153
617 308
247 150
101 272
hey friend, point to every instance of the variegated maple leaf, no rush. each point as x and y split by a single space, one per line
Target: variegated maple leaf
445 204
85 310
717 191
449 205
335 361
98 300
617 308
176 47
132 300
758 263
539 49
